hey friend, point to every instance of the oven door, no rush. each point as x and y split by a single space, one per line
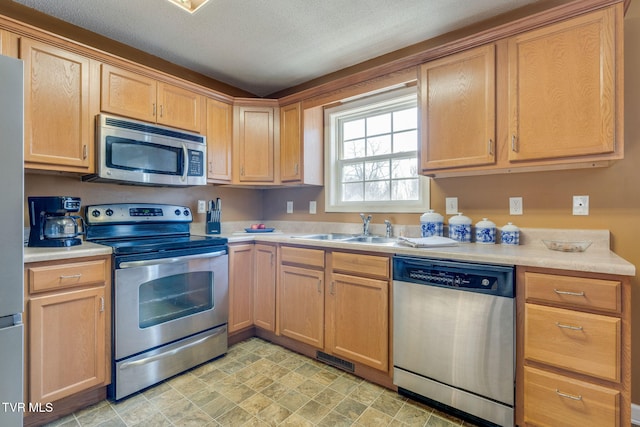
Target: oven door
158 301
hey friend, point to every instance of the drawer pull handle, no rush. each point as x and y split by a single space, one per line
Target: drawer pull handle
71 276
573 328
575 294
568 396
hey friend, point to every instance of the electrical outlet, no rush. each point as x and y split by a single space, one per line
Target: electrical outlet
312 207
581 205
451 204
202 206
515 205
290 207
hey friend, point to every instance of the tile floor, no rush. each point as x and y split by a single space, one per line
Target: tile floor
261 384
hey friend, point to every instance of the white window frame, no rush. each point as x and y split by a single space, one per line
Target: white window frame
332 170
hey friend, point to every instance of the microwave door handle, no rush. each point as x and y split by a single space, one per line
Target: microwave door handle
186 163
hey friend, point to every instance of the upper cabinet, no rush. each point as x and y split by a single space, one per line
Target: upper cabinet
134 95
558 100
219 124
255 141
562 89
301 145
458 109
58 108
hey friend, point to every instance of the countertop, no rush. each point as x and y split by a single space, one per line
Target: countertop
598 258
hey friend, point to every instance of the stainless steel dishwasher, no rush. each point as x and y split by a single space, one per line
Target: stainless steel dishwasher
454 336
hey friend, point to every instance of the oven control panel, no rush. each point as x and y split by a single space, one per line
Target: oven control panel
136 213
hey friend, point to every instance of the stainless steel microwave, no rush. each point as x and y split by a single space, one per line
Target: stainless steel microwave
133 152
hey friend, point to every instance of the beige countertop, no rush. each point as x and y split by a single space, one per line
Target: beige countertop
598 258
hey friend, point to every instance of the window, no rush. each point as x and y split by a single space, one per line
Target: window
372 155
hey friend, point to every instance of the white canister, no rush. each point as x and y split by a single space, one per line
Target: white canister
485 232
510 235
431 223
460 228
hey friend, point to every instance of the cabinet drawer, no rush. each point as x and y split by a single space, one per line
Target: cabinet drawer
303 256
580 342
555 400
574 291
52 277
368 265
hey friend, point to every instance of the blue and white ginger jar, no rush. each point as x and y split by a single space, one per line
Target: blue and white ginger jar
510 235
460 228
485 232
431 224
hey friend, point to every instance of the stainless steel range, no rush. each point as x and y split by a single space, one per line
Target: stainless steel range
170 292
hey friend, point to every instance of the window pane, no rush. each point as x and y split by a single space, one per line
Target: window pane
377 190
353 149
352 173
379 145
405 189
352 192
379 124
405 119
405 141
376 170
353 129
404 168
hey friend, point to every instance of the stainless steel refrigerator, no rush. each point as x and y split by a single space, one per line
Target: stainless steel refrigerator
11 242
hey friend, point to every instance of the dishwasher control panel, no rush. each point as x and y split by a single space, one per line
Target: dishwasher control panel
484 278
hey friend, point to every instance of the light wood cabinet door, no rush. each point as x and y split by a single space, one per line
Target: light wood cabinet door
128 94
562 88
180 108
458 110
358 319
301 305
254 144
67 343
58 121
241 278
291 143
219 139
264 310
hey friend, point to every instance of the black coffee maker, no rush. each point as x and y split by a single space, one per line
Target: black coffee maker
51 226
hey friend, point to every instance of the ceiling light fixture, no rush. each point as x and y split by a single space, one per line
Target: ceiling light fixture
189 5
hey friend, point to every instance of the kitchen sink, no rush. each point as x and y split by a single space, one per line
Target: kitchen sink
327 236
376 240
350 238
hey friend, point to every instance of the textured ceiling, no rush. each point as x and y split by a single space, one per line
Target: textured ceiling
264 46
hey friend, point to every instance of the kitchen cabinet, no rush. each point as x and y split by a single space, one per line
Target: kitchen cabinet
558 101
68 327
458 109
264 310
129 94
301 295
255 141
219 139
325 315
574 358
59 108
358 331
8 44
241 277
301 145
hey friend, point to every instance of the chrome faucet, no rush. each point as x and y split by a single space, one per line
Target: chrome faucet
388 224
365 224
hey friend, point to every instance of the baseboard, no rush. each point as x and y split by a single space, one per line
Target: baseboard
635 414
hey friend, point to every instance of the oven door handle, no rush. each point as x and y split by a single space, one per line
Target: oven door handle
147 262
172 352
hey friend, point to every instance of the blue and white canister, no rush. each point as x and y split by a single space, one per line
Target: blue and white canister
510 235
460 228
431 224
486 232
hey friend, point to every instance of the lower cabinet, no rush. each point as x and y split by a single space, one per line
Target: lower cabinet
241 276
264 293
68 327
346 315
574 355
